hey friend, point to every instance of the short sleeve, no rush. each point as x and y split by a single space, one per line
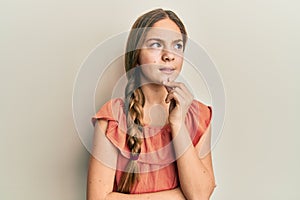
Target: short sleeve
110 111
113 112
198 119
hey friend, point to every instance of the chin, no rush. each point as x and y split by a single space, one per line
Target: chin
171 77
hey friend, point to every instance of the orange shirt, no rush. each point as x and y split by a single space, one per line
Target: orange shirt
157 161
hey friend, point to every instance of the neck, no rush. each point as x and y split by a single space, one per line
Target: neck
154 93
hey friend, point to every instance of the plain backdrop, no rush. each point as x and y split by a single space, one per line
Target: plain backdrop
254 44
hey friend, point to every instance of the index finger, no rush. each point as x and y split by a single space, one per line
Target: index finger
173 84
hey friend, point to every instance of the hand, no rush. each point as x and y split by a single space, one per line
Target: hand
183 98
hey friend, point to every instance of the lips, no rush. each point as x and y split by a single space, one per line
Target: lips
167 70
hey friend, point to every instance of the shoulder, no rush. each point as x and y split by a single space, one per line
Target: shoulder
110 110
115 102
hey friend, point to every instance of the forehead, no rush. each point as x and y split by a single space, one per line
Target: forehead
165 29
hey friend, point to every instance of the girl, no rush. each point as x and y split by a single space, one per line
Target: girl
154 143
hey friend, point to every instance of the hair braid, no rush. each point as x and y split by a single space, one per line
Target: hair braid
134 102
134 97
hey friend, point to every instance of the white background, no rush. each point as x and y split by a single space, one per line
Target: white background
255 45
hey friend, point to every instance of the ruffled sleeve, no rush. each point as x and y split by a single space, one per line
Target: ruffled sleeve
197 120
156 148
113 112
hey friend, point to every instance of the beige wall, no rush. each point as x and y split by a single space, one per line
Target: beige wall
255 45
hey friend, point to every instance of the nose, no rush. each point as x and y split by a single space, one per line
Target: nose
168 56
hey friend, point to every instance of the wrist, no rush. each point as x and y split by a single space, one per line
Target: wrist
181 139
177 123
177 128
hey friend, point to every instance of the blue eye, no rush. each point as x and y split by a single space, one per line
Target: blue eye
155 45
179 46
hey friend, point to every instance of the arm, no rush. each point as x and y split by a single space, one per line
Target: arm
101 176
195 171
197 182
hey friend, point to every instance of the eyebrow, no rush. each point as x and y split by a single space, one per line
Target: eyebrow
158 39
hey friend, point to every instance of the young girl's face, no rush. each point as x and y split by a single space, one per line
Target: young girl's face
161 55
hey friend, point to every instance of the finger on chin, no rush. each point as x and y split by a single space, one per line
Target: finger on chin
169 97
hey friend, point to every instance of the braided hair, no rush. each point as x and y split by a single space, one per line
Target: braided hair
134 97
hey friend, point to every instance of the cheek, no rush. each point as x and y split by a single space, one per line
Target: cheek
179 62
148 57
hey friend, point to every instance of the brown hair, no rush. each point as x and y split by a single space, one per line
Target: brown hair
134 97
